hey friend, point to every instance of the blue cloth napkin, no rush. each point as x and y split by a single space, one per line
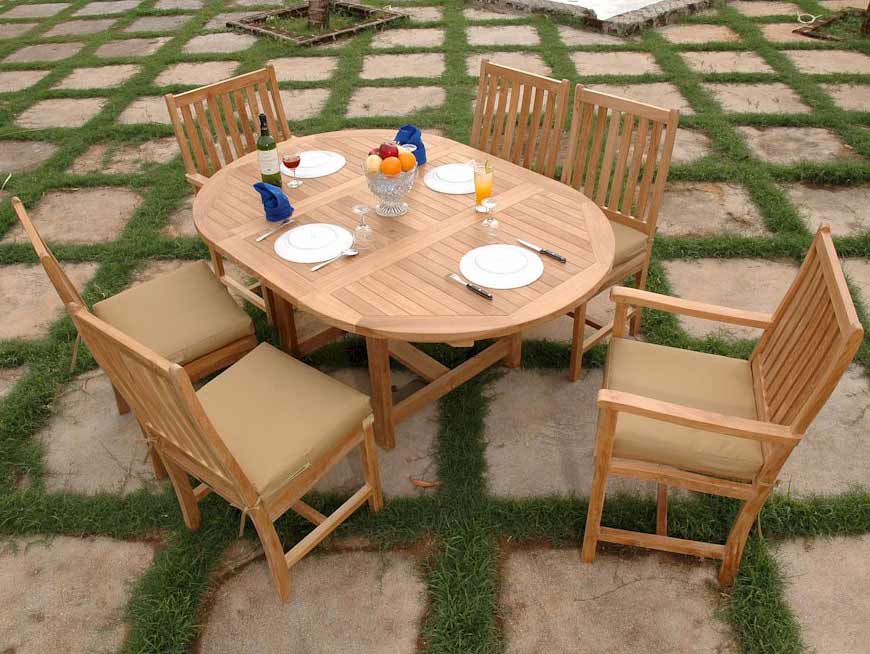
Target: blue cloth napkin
411 135
275 203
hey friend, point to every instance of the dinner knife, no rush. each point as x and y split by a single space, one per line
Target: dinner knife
268 233
474 288
549 253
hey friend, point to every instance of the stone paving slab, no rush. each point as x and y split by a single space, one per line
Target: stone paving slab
423 14
858 271
423 37
827 591
219 43
832 61
690 144
98 77
663 94
572 36
348 602
20 156
476 14
614 63
179 4
14 30
219 22
765 8
157 23
843 208
402 100
16 80
304 69
782 33
44 52
832 457
503 35
88 447
624 602
147 109
599 308
726 62
757 98
180 222
750 284
30 303
196 74
60 112
111 7
698 33
540 435
851 97
35 10
131 47
123 159
48 590
837 5
76 27
9 377
86 215
790 145
707 208
528 61
429 64
303 103
416 440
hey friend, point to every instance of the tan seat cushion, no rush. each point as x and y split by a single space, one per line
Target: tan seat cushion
629 242
182 315
278 416
693 379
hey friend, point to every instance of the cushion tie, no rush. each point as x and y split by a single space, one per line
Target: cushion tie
245 511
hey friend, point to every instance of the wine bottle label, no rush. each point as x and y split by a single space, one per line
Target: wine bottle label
268 161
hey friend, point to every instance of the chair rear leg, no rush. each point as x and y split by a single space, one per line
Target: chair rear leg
184 493
371 466
640 283
576 365
662 509
274 551
603 449
739 533
120 402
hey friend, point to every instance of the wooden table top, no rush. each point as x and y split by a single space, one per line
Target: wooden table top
399 289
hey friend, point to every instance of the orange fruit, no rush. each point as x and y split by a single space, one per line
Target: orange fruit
391 166
407 160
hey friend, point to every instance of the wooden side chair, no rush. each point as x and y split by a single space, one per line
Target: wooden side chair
260 434
520 116
619 154
185 315
718 425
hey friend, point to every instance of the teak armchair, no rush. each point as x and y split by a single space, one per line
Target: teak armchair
260 434
520 116
619 154
215 125
713 424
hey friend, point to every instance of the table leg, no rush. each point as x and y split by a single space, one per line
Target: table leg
515 354
282 317
382 391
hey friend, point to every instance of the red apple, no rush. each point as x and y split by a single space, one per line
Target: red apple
388 149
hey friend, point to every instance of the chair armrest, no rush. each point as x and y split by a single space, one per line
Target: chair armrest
638 298
196 180
696 418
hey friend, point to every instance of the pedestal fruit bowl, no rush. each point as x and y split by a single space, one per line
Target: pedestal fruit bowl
390 170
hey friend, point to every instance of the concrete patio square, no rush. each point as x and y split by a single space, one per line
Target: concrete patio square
13 30
60 112
790 145
421 37
429 64
782 33
76 27
707 208
9 377
196 74
179 4
123 159
19 156
572 36
16 80
157 23
301 104
690 144
107 7
98 77
303 69
765 8
423 14
503 35
662 94
372 101
219 43
614 63
698 33
131 47
40 10
150 109
44 52
833 61
851 97
528 61
726 62
757 98
843 208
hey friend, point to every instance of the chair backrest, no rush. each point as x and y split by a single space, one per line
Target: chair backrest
62 284
218 123
165 403
814 336
619 154
520 116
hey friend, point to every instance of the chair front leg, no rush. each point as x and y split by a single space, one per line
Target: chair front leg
120 402
576 366
274 551
371 467
639 282
739 533
603 452
184 492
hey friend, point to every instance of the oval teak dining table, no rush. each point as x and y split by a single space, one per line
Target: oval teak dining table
398 293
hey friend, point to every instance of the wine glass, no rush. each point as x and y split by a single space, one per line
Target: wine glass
490 223
363 234
291 160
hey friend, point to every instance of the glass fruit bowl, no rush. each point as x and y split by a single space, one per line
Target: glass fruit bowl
390 191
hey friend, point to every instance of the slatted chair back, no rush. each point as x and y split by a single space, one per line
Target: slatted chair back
619 154
218 123
166 405
62 284
520 116
814 335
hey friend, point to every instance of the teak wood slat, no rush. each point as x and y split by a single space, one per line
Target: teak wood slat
397 293
619 152
803 352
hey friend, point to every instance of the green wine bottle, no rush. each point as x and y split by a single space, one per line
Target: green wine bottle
267 155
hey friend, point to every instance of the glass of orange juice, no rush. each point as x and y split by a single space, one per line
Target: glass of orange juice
483 174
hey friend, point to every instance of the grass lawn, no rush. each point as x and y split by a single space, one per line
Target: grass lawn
463 524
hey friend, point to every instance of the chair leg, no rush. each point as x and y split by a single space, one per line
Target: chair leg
738 535
184 493
662 509
123 407
603 448
576 365
274 551
639 282
371 467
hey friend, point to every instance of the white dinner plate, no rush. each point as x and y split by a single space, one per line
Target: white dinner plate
453 179
316 163
313 243
501 266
